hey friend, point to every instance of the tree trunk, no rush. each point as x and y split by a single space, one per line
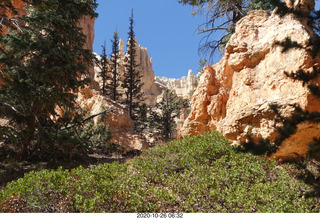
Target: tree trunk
237 15
24 149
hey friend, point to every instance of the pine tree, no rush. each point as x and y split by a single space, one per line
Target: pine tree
42 66
132 78
162 117
103 65
114 84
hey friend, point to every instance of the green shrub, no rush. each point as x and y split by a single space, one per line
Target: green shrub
198 174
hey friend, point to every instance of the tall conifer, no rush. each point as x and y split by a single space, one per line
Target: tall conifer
103 64
114 83
132 78
42 66
162 119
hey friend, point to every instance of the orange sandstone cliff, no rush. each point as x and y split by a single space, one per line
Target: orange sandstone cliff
234 95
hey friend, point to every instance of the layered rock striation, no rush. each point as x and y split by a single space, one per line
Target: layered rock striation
234 95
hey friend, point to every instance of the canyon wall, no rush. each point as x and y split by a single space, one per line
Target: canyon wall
153 85
148 78
234 95
184 86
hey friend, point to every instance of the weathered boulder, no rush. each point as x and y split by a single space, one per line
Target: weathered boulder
234 95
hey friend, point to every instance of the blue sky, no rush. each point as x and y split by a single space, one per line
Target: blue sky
165 27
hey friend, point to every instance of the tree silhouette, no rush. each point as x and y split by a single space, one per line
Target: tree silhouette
132 78
114 83
104 69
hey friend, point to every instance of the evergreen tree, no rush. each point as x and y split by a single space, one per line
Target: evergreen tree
103 65
132 78
42 66
227 11
162 118
114 84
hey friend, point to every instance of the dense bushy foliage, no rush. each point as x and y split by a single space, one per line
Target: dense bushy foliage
198 174
43 64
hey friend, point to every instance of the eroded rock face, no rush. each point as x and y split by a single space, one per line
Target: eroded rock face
183 87
118 119
148 78
234 95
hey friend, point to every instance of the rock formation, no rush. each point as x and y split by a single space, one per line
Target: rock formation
87 25
184 87
148 78
234 95
144 67
118 119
